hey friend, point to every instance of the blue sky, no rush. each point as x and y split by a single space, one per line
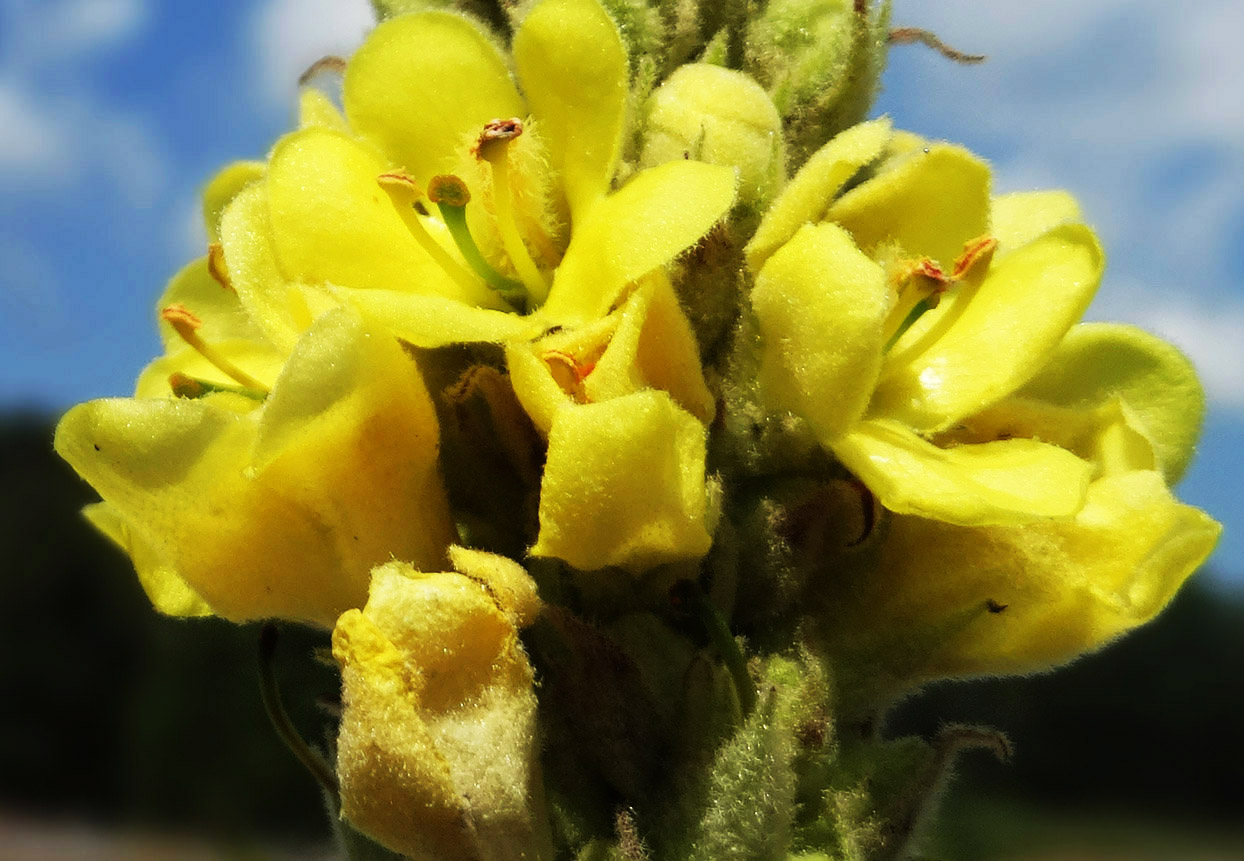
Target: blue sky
113 113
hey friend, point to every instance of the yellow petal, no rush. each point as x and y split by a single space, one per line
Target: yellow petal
436 321
821 305
507 581
1018 218
929 203
1108 434
655 347
422 87
316 109
168 592
989 341
225 186
1097 362
1004 482
573 68
347 478
808 195
274 304
1057 589
624 485
644 225
539 393
331 223
437 752
219 309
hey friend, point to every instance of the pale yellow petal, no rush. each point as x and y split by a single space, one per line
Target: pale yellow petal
989 341
1018 218
437 321
1020 599
225 186
624 485
643 226
316 110
808 195
821 305
331 222
219 309
422 87
1004 482
1098 362
167 591
573 67
929 203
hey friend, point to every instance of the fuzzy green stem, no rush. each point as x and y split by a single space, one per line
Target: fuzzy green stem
723 641
270 692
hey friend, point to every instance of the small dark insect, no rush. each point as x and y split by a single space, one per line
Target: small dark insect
994 607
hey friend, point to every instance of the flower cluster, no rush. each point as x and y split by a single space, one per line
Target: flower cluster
634 413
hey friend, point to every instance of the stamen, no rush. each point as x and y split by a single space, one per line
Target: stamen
919 285
190 388
337 65
404 193
185 324
493 147
216 266
451 195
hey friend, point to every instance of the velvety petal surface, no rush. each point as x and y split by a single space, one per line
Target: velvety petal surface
991 339
1018 599
573 67
820 304
624 485
928 203
422 87
1097 362
808 195
641 227
1003 482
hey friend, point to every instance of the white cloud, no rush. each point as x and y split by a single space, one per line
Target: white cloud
290 35
55 128
30 141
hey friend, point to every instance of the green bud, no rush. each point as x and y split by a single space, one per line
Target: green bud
719 116
821 61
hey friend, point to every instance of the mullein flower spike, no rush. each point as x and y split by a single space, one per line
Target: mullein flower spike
642 421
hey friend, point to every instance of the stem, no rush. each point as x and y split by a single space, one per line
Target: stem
690 593
270 692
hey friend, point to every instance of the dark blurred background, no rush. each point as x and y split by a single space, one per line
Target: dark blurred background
116 719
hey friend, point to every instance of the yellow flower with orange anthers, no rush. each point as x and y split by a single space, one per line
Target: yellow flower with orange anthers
449 225
892 311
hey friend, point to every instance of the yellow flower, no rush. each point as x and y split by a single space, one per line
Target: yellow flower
856 342
248 503
623 404
438 752
936 599
442 219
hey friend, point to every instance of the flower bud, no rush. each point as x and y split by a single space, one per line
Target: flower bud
717 115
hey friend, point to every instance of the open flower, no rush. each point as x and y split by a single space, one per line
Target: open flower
446 219
269 495
623 404
857 342
936 599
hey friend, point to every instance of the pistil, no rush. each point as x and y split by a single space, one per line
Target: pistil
186 324
451 195
403 192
